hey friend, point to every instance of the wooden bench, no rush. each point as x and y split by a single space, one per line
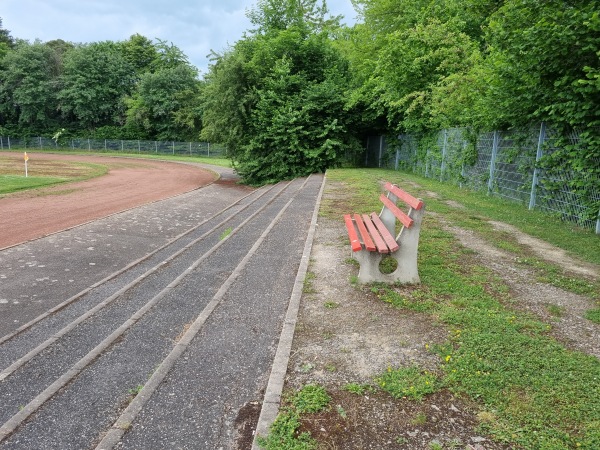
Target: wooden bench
372 238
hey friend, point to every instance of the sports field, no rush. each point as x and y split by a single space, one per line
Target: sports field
74 189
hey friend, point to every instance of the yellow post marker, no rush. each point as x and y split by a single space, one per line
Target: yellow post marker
26 158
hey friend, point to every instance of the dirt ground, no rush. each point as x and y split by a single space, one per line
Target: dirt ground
128 183
346 335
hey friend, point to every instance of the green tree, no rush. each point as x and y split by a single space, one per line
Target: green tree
96 80
6 41
277 98
140 52
409 55
276 15
541 63
28 87
165 105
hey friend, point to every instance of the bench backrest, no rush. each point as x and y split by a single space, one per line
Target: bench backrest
391 212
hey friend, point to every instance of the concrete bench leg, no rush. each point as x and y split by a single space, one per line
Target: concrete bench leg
406 257
369 266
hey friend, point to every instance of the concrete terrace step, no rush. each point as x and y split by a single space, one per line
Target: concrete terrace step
173 347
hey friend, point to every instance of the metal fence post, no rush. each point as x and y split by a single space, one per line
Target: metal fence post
9 142
493 161
155 147
139 148
2 142
173 144
598 223
444 150
40 140
538 156
208 150
380 150
89 146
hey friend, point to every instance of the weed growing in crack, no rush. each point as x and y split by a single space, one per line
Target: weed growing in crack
136 390
225 233
308 287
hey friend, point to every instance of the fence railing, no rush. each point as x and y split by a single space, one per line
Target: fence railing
206 149
500 163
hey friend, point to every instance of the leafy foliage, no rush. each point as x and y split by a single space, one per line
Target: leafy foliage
159 97
95 81
29 85
277 98
132 89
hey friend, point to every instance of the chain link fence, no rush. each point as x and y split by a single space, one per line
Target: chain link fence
119 146
500 163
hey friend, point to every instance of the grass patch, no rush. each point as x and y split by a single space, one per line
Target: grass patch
284 432
555 310
408 382
552 274
388 265
593 315
538 394
14 183
308 287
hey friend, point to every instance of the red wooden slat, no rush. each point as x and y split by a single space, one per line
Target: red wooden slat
411 201
400 215
366 237
379 242
354 242
385 234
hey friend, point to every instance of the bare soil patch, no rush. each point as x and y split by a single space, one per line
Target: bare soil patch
128 183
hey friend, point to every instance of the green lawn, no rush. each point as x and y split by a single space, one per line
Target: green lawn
14 183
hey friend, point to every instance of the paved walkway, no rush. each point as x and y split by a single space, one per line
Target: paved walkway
154 328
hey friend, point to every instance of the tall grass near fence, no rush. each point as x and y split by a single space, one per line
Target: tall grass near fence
509 164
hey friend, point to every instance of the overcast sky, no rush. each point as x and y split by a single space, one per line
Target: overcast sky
195 26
